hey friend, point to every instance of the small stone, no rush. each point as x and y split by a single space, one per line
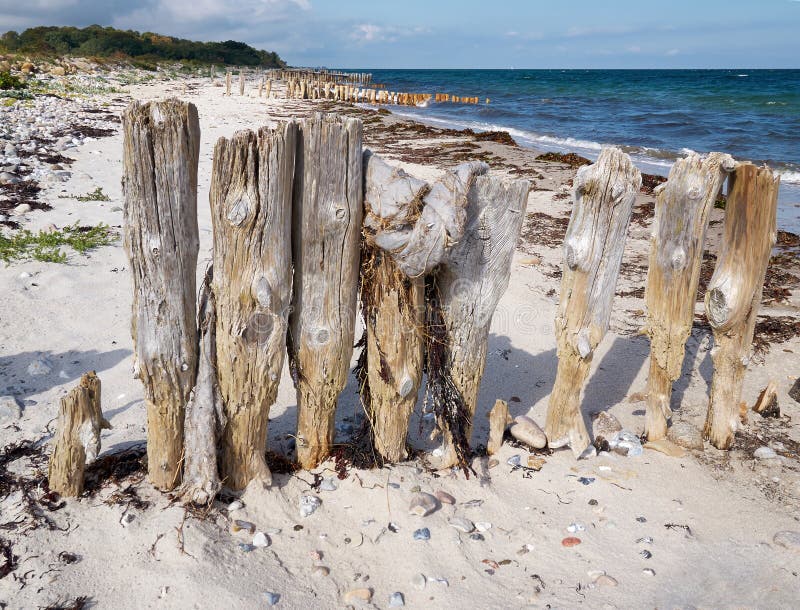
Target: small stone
419 581
528 431
396 600
574 528
358 595
235 505
315 555
641 519
423 504
272 598
570 541
308 504
586 480
649 572
328 484
686 435
535 462
604 580
246 526
444 497
605 425
260 540
9 409
7 178
666 447
461 524
246 548
477 537
646 554
41 366
765 453
320 571
422 533
788 539
483 526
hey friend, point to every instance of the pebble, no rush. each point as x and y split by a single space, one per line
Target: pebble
422 533
396 600
272 598
788 539
444 497
246 548
528 431
41 366
260 540
419 581
627 444
477 537
329 484
646 554
605 425
535 462
423 504
765 453
309 504
604 580
9 409
235 505
320 571
358 595
8 178
461 524
570 541
246 526
686 435
493 462
483 526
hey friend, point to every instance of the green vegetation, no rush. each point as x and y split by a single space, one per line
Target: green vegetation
8 82
97 41
46 246
96 195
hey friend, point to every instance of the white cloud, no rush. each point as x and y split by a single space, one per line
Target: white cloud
672 52
634 49
370 32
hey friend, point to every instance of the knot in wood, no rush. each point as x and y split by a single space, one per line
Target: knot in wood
259 327
239 210
263 292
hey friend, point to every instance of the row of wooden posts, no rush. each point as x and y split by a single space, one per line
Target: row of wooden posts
304 219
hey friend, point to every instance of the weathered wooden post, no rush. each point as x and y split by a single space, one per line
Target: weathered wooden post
603 196
77 438
241 82
251 205
392 305
269 88
228 82
734 292
676 251
160 154
326 230
462 295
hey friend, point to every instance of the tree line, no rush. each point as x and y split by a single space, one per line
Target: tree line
98 41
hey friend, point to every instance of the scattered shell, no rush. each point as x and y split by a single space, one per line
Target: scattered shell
235 505
419 581
604 580
246 526
396 600
514 460
308 504
272 598
444 497
461 524
483 526
645 540
422 533
423 504
586 480
477 537
493 462
358 595
246 548
649 572
570 541
260 540
576 527
646 554
536 462
329 484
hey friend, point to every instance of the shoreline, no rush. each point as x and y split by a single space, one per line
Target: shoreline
134 547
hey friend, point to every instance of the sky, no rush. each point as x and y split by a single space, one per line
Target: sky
460 33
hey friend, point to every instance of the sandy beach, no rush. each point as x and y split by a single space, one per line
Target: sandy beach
655 531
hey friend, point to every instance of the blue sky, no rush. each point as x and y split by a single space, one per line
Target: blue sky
461 34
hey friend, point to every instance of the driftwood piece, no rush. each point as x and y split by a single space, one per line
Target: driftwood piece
462 296
498 420
603 196
767 401
77 438
676 251
160 155
734 292
205 417
326 234
251 207
393 310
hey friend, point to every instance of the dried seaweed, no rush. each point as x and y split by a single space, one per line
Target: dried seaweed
570 159
543 229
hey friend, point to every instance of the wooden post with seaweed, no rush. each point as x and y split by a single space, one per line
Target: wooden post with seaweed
160 154
205 417
326 231
734 292
77 438
462 295
392 306
251 206
603 197
682 208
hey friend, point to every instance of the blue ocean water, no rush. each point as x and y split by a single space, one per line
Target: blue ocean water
654 115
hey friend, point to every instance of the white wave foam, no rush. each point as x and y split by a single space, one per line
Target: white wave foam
789 176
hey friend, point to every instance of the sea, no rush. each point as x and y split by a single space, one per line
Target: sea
654 115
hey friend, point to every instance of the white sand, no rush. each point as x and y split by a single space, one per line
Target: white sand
79 315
